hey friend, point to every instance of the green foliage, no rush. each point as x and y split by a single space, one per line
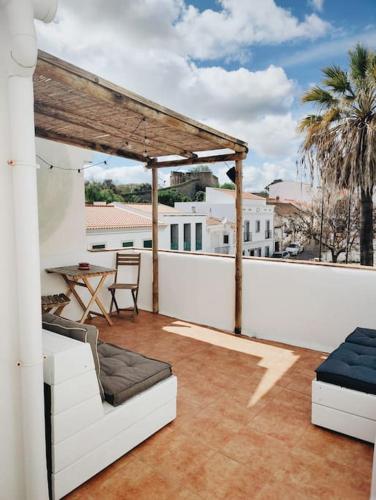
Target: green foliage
101 191
170 196
227 185
200 196
200 168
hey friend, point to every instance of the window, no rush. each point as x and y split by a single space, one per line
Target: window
174 234
198 236
258 252
268 233
127 244
267 252
252 253
187 237
226 239
247 234
258 226
98 246
148 244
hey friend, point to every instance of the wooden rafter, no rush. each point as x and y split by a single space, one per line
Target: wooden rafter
196 160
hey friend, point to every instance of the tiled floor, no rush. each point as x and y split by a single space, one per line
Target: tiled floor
243 426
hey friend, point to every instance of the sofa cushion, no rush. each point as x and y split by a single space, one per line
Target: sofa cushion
76 331
352 366
125 373
363 336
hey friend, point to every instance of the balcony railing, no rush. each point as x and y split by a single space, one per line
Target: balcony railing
198 245
174 245
268 234
187 246
247 236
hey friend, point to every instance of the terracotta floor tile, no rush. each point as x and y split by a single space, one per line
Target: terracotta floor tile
338 448
239 434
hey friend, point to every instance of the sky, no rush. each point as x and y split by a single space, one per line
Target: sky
238 65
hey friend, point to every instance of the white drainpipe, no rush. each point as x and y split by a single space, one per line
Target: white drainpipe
19 17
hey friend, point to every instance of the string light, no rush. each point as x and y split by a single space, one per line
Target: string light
51 166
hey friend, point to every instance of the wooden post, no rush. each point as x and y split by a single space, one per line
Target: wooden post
239 246
154 200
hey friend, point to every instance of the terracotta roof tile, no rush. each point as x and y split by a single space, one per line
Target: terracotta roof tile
110 217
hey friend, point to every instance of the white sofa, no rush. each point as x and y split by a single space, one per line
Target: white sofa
87 434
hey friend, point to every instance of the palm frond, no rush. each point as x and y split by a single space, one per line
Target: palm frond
309 121
320 96
337 80
332 115
359 58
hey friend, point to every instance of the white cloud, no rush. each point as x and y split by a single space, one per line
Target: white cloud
209 34
150 47
317 5
333 48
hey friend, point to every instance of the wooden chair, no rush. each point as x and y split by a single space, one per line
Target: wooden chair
126 259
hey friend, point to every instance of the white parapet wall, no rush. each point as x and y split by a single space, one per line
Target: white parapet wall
313 306
307 305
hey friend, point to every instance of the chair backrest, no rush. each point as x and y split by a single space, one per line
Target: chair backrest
128 259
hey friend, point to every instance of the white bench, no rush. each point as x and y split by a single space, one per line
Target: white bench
344 410
87 434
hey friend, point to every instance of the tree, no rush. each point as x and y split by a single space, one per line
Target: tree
200 196
332 221
227 185
170 196
200 168
101 191
340 140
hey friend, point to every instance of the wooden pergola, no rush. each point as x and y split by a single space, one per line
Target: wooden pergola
75 107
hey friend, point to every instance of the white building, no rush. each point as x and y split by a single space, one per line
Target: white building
110 227
258 218
127 225
291 191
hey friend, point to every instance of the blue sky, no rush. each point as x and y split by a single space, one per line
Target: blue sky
238 65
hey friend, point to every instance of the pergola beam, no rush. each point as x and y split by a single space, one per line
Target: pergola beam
154 200
196 160
138 145
95 146
239 245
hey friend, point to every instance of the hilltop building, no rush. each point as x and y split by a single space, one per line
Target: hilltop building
189 183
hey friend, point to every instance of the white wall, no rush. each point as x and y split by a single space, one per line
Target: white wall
292 190
310 306
114 239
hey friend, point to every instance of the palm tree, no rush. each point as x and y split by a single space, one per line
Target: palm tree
340 140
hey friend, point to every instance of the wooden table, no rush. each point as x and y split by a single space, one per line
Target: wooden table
73 277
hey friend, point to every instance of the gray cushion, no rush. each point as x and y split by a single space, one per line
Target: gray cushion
125 373
76 331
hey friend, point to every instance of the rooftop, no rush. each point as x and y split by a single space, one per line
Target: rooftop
111 217
246 196
243 425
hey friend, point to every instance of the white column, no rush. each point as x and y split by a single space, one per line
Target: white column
23 457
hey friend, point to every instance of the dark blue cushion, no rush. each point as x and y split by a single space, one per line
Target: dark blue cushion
352 366
363 336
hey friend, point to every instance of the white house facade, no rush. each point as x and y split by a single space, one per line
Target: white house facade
291 191
258 218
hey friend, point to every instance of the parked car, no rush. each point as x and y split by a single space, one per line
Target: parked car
281 255
295 249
